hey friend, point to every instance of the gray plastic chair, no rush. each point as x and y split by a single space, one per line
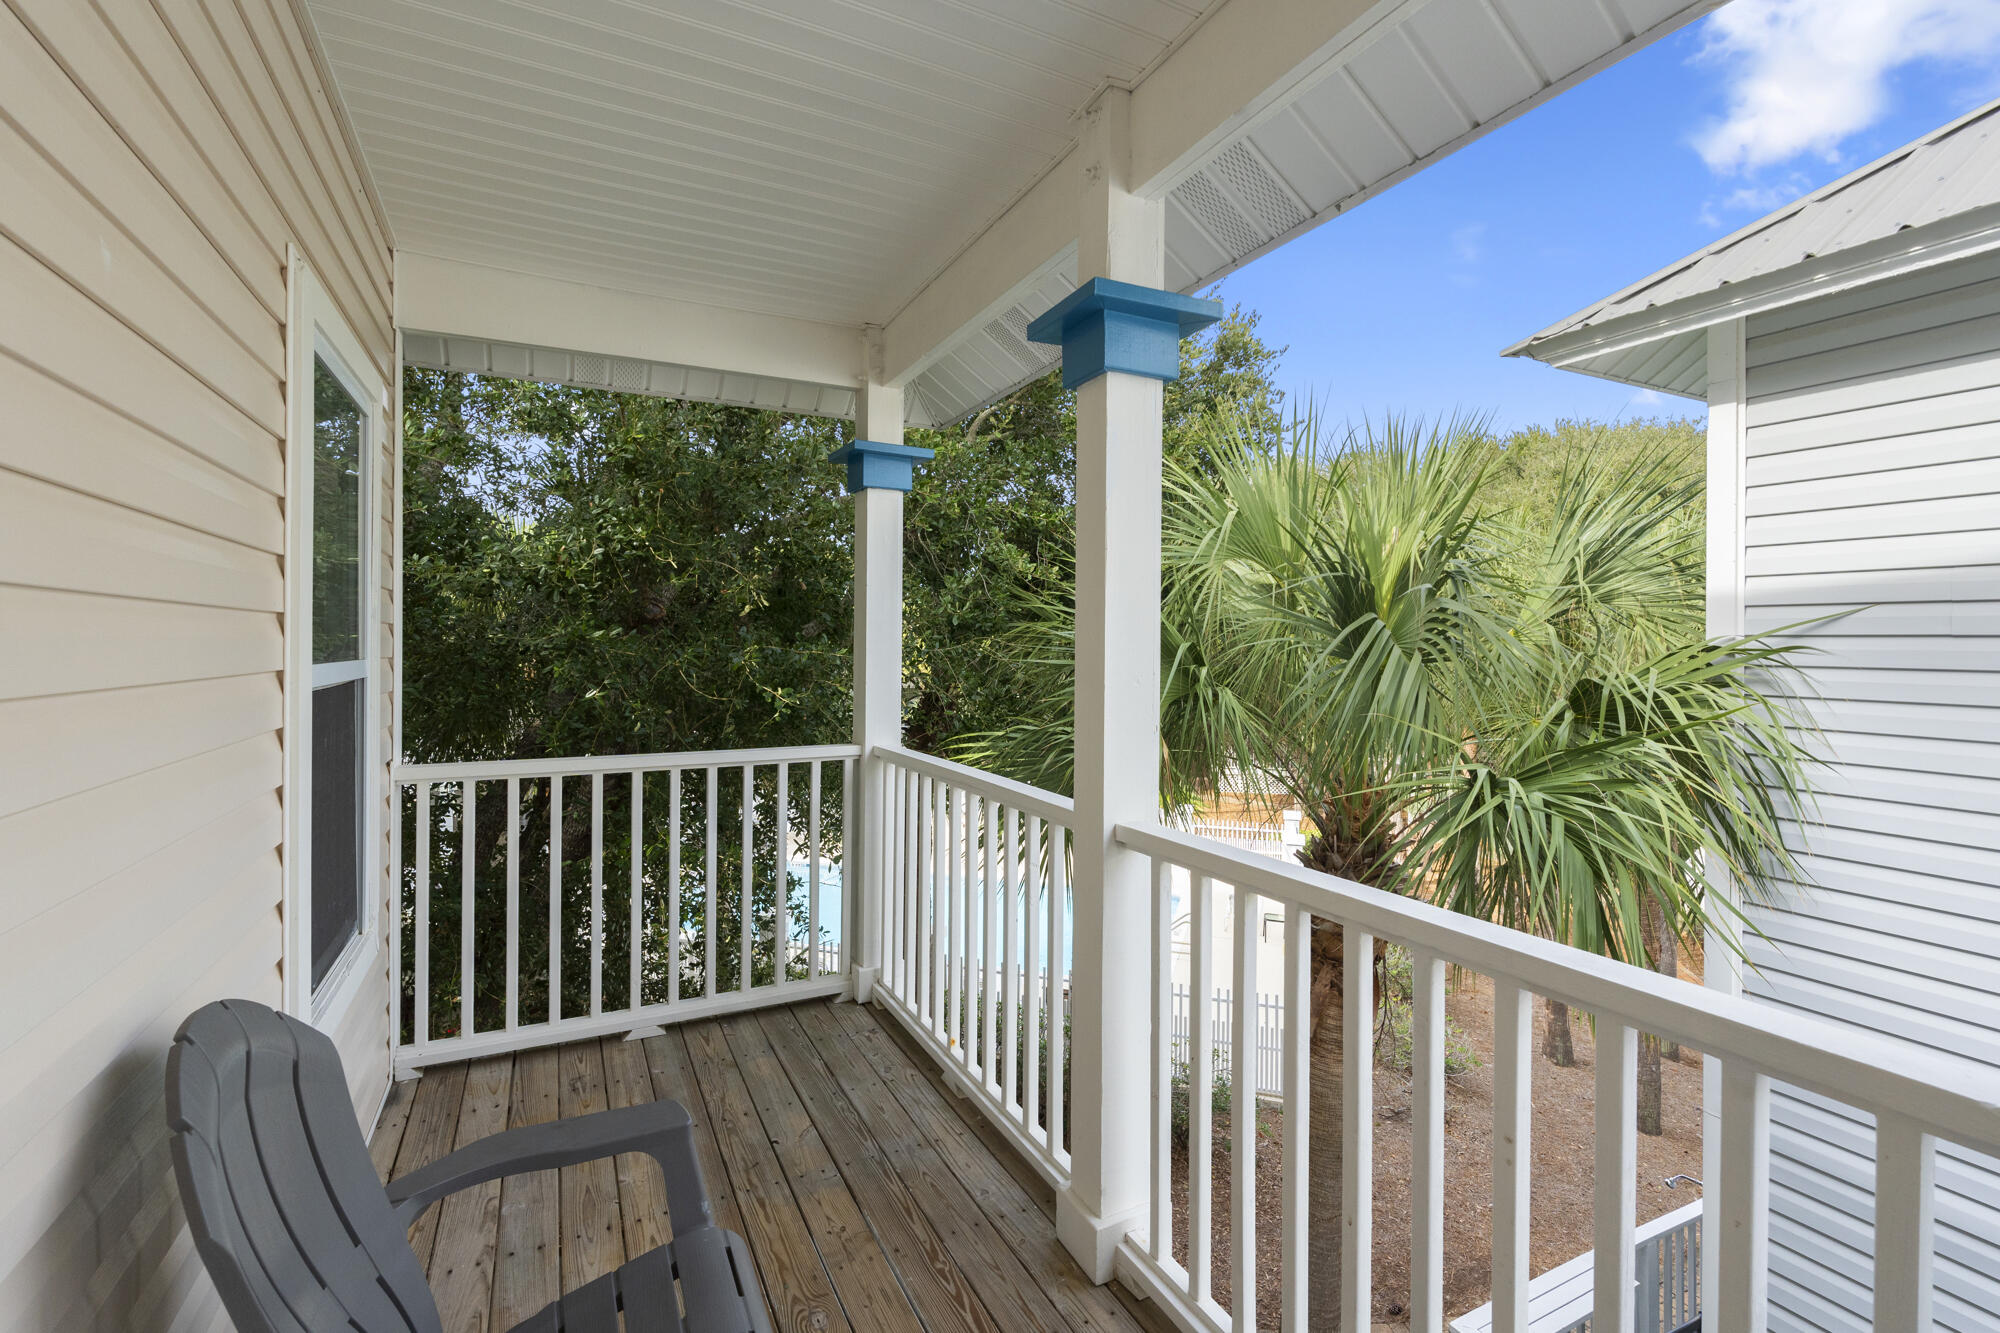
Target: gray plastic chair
300 1236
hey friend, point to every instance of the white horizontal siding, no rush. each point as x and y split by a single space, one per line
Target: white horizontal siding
156 160
1872 537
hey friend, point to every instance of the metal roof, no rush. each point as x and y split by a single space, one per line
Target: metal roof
1931 201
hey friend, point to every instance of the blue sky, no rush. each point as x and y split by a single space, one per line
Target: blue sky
1403 305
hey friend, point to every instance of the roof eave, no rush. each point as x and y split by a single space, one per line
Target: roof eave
1975 231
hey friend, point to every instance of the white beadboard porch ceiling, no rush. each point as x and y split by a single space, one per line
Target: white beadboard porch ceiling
797 157
824 160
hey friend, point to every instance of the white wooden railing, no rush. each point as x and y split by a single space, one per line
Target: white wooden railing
969 922
1917 1098
975 931
732 893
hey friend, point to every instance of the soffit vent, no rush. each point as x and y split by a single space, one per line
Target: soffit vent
628 376
1252 183
1217 216
1006 333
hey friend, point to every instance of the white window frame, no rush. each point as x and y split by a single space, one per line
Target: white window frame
317 330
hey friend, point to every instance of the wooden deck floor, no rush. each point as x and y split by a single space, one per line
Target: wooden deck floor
871 1198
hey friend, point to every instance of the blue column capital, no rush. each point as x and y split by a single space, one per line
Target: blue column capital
1105 325
875 465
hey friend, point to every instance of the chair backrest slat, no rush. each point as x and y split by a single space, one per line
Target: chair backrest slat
283 1201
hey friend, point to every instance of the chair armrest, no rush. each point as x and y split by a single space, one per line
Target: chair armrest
661 1130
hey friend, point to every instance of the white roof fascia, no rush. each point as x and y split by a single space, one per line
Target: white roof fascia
1974 232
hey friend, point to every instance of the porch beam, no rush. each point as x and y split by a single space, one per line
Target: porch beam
1236 65
454 298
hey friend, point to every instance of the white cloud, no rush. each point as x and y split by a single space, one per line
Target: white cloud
1806 74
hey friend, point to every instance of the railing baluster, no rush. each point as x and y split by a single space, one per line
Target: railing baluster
396 866
952 1030
596 893
1058 985
1160 1232
711 889
940 950
1031 982
963 1015
781 919
673 886
895 809
638 935
1357 1131
513 903
1739 1238
1201 1095
1295 1269
850 928
1905 1226
422 1021
989 959
926 898
850 869
1243 1114
1615 1194
1513 1116
1010 962
746 905
555 898
468 797
913 869
1426 1141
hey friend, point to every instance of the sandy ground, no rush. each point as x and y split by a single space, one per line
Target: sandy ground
1563 1142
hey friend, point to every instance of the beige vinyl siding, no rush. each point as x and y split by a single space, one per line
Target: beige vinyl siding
157 157
1872 494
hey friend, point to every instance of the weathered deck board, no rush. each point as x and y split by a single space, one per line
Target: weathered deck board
528 1271
868 1201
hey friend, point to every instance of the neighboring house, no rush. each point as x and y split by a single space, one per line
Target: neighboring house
225 228
1848 347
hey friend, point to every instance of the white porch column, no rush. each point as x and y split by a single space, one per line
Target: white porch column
1121 337
879 471
1726 448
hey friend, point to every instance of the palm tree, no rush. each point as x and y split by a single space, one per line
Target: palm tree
1525 726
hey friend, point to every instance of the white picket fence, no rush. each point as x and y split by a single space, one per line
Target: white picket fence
1270 1034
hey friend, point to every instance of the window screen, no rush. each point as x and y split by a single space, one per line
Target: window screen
336 821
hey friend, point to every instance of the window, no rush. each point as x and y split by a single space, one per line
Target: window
339 420
338 705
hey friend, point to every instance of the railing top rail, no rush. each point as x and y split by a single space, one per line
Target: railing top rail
582 765
1017 795
1957 1099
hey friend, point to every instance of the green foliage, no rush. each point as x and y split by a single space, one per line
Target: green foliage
598 573
1524 471
1518 717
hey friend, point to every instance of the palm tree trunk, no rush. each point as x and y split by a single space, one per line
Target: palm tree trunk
1652 929
1325 1173
1670 966
1557 1047
1649 1085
